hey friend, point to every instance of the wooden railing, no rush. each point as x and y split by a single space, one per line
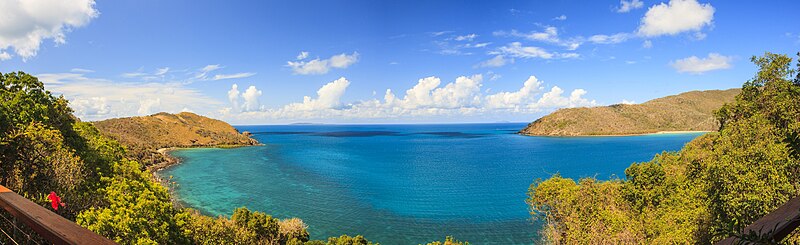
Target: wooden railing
50 226
774 226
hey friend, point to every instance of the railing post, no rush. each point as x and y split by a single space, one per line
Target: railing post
51 226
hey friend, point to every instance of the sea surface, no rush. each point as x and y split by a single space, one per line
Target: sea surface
401 184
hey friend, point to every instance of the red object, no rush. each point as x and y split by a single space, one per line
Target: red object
54 200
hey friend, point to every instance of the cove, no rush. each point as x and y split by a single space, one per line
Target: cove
401 184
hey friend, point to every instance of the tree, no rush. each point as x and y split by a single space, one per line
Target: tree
711 189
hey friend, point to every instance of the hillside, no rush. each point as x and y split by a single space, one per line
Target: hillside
690 111
145 135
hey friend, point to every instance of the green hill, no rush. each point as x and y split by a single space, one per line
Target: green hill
690 111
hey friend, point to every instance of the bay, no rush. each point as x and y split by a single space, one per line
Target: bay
401 184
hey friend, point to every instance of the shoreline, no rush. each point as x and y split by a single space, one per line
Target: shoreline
623 135
171 160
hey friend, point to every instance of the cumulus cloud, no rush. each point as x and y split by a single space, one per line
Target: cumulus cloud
627 102
322 66
251 99
628 5
233 96
514 100
496 61
97 98
327 97
696 65
676 17
27 23
561 17
429 97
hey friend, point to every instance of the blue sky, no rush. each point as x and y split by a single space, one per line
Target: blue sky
443 61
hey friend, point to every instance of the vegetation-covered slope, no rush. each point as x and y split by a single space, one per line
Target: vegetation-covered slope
143 136
44 148
711 189
690 111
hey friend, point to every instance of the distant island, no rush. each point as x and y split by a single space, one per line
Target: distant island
689 111
147 137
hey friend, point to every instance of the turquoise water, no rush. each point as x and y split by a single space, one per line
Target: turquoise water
401 184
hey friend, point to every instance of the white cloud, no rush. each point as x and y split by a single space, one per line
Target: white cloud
514 100
609 39
203 74
327 97
26 23
516 50
97 99
233 76
676 17
149 106
91 106
322 66
468 37
428 98
627 102
161 71
548 35
79 70
562 17
303 55
233 96
697 65
4 56
647 44
343 60
251 100
628 5
497 61
464 92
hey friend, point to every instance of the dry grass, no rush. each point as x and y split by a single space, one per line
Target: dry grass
690 111
143 136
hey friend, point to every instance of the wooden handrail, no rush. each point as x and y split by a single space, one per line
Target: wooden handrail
51 226
776 225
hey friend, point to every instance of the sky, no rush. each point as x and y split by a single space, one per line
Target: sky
271 62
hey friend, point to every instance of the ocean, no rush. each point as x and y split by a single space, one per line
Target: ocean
401 184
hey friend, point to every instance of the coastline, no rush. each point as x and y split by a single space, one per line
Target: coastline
623 135
171 160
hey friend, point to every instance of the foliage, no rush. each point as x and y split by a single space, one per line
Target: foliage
711 189
449 240
139 209
348 240
44 148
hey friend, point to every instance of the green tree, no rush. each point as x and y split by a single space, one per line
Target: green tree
716 185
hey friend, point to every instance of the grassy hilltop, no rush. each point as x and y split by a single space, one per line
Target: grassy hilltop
690 111
145 135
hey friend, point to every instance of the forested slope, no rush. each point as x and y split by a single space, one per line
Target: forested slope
711 189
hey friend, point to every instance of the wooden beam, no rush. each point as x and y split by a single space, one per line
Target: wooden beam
51 226
778 224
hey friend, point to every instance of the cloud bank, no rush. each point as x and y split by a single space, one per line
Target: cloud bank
27 23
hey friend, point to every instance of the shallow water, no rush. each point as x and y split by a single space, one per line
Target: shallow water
401 184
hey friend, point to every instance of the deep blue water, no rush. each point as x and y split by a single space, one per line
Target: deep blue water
401 184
